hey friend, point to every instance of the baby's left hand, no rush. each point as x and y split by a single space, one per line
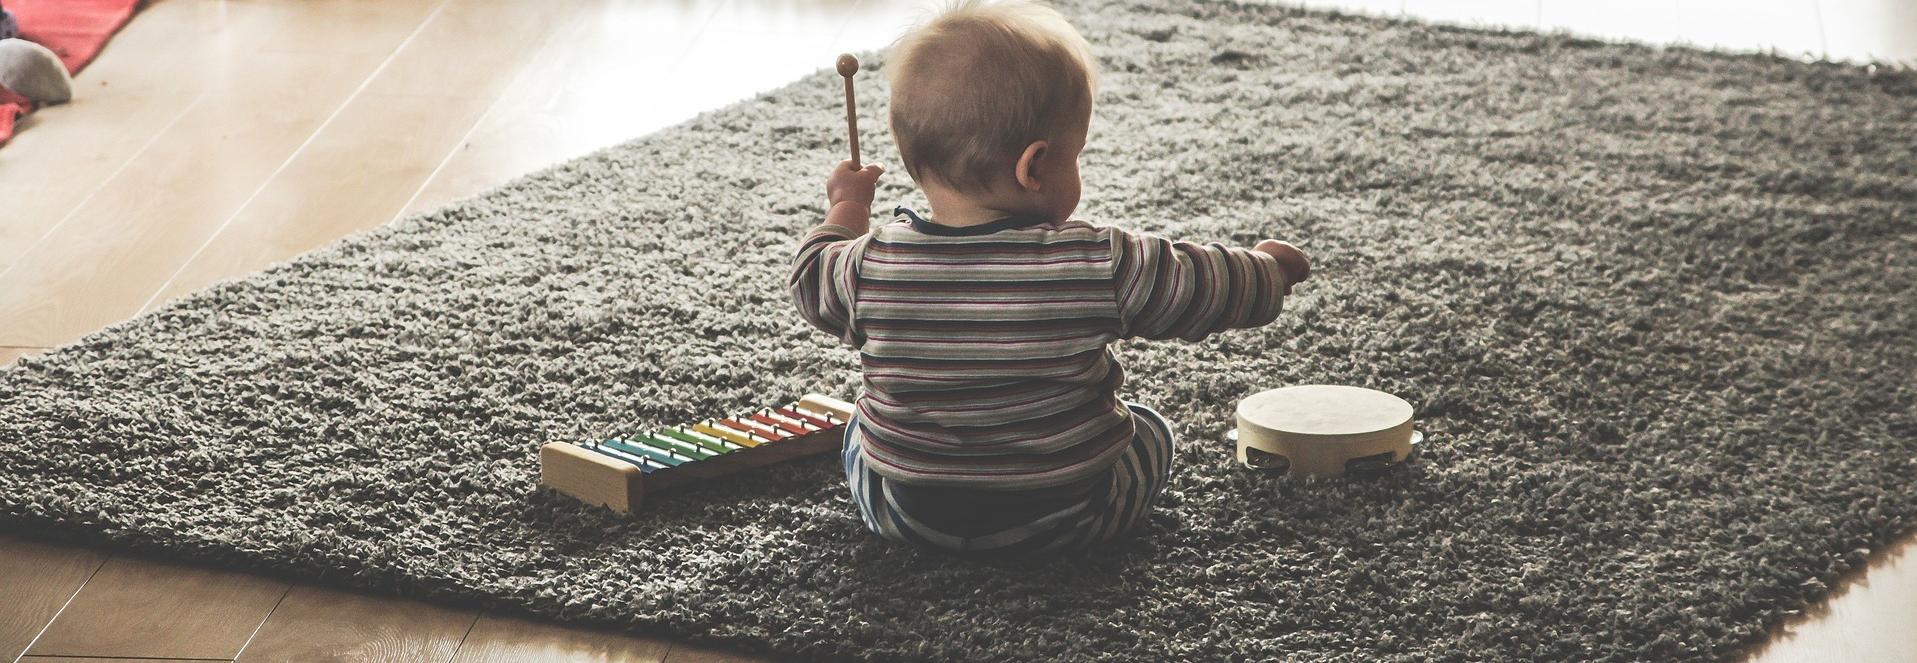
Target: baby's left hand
1295 262
852 186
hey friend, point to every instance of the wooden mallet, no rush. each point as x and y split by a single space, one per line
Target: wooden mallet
848 66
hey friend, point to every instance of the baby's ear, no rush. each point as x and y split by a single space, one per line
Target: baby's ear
1027 169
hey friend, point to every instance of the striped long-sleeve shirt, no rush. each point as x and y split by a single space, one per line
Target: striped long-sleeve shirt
984 348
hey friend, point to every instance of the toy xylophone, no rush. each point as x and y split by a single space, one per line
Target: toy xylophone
617 472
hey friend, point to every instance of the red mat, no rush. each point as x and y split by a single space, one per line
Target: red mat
12 108
73 29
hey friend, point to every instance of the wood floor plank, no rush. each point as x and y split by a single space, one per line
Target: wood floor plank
39 579
344 26
144 608
541 122
106 259
174 51
788 41
359 171
577 96
331 190
471 48
497 639
63 153
317 624
153 53
90 659
8 355
100 265
1870 30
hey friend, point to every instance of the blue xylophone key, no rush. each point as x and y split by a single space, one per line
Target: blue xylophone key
645 465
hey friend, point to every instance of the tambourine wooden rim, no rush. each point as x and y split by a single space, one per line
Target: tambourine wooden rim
1324 430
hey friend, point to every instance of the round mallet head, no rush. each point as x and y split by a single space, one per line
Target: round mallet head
848 65
1325 430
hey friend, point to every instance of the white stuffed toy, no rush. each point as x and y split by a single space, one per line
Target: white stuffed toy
34 72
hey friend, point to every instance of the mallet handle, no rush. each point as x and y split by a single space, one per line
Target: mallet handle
848 66
852 122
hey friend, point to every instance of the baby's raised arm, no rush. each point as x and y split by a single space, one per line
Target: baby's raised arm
824 268
1168 289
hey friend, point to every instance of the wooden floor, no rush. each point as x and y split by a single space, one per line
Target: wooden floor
213 138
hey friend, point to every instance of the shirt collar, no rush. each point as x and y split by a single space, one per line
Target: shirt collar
926 226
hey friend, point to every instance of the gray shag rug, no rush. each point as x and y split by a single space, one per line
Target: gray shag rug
1654 307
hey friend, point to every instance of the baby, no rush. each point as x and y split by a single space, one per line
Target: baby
990 422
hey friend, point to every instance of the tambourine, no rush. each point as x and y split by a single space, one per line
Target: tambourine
1323 430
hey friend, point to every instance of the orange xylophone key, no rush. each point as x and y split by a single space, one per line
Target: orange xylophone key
769 433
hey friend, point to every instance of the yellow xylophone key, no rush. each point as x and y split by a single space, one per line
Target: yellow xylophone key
728 435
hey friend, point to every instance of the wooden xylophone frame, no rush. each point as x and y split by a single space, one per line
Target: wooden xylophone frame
618 472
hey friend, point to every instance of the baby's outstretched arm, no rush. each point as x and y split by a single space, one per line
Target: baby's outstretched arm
824 269
1169 289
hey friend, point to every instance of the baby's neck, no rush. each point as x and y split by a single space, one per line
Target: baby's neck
959 211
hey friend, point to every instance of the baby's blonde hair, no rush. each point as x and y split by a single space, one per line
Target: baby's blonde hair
978 82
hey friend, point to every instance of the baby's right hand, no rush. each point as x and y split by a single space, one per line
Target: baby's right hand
1293 260
852 186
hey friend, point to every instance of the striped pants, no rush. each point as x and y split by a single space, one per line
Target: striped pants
1012 523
